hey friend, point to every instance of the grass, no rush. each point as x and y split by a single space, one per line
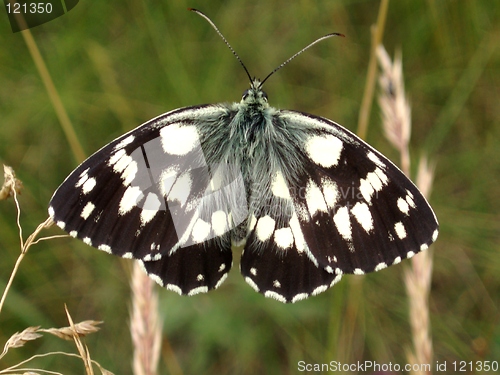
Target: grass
115 65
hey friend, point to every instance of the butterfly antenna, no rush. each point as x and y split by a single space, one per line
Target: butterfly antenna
224 39
298 53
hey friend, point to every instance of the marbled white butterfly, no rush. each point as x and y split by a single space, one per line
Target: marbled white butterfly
307 199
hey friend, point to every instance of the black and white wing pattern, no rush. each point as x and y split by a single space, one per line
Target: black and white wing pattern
309 200
141 197
345 209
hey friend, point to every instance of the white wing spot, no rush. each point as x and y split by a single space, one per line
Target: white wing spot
324 150
409 199
122 163
337 279
253 271
366 190
172 287
380 266
300 242
84 173
252 283
397 260
61 224
252 223
403 206
222 267
200 277
105 248
300 297
424 247
435 235
400 230
89 185
129 200
87 210
279 186
382 176
358 271
149 209
159 281
375 159
343 223
375 181
115 157
83 177
73 233
128 255
265 228
314 199
330 192
219 222
88 241
167 179
276 284
363 215
179 140
221 280
201 230
319 289
410 254
274 295
124 142
181 189
129 173
283 237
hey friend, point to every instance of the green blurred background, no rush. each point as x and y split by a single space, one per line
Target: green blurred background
116 64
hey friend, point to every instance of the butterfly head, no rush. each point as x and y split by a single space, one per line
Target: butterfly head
254 96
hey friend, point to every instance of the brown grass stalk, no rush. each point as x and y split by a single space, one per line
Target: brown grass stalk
396 118
145 324
377 33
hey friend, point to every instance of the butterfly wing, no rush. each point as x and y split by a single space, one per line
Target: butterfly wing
345 209
142 197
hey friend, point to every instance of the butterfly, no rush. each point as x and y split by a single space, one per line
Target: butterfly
307 199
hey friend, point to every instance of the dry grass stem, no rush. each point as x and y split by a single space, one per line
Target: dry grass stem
80 346
418 284
396 112
145 326
377 32
54 96
396 116
24 249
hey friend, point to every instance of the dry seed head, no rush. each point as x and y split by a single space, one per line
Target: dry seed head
80 329
11 184
18 339
396 112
